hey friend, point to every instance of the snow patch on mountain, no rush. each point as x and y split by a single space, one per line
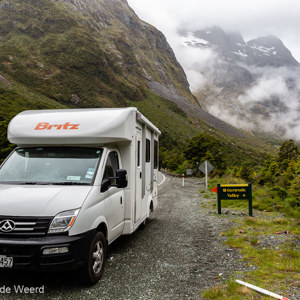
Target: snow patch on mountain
240 53
190 40
252 84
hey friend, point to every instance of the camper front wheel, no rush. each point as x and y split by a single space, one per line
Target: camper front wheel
96 259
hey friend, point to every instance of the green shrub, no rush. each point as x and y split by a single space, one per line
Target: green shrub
292 202
278 191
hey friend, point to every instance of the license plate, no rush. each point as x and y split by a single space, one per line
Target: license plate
6 261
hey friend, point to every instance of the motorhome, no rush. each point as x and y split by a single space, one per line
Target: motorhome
78 180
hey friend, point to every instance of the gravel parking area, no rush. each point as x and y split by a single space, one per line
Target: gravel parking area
177 256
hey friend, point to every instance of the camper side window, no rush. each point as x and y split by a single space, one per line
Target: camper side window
148 150
112 165
155 154
139 154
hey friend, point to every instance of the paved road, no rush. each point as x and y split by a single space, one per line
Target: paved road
176 256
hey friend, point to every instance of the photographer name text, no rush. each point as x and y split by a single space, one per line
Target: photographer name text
22 289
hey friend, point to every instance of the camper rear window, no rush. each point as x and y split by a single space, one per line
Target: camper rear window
50 165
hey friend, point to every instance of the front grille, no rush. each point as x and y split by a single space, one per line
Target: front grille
30 255
23 255
26 226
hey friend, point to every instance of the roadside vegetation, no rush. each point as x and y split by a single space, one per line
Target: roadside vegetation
269 245
268 241
275 178
276 184
224 153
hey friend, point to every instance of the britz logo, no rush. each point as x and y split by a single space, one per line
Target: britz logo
48 126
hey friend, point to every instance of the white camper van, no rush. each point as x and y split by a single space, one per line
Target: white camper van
77 181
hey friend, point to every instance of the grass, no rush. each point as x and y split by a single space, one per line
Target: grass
274 268
167 116
233 291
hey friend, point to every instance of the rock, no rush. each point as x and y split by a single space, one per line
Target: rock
296 284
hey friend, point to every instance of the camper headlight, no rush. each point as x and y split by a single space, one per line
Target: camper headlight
63 221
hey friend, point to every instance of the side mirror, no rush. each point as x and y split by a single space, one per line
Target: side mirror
121 178
106 183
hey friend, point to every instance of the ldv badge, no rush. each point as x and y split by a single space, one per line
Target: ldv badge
7 225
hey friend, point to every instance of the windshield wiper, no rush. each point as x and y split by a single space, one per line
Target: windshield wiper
34 183
46 183
70 183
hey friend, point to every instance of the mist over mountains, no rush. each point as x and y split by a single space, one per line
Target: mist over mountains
253 85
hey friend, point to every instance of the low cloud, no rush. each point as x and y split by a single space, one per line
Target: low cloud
271 104
279 90
266 87
271 87
251 18
231 118
196 62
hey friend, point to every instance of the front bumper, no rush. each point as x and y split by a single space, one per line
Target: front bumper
28 253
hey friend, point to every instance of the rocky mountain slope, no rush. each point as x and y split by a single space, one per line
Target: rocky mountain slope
96 53
263 51
248 84
85 52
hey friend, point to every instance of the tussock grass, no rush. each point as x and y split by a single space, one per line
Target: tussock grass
274 268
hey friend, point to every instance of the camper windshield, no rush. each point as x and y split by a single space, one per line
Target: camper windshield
49 165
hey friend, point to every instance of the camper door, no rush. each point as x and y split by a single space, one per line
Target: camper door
138 177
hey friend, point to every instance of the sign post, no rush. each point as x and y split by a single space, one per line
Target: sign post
234 192
206 176
206 167
219 199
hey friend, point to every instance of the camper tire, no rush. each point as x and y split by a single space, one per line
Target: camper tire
97 254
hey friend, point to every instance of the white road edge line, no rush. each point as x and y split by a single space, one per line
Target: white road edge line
163 179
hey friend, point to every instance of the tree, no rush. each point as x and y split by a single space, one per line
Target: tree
246 172
295 188
204 146
287 152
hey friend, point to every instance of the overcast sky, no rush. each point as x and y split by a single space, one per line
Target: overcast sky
251 18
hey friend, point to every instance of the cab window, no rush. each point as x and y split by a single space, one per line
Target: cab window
111 166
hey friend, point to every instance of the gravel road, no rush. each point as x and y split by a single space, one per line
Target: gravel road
177 256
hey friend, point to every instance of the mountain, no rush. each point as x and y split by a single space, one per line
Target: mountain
250 84
113 52
263 51
98 53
